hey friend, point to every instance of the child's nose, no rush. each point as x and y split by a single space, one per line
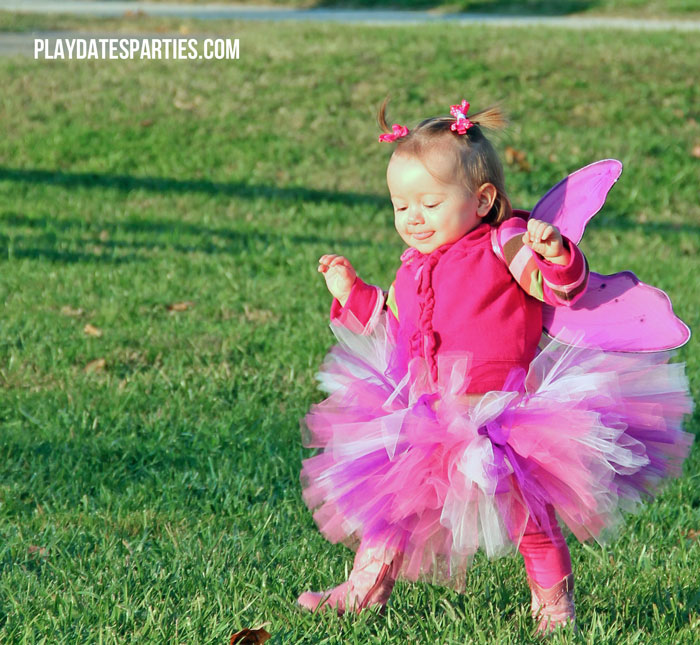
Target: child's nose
415 216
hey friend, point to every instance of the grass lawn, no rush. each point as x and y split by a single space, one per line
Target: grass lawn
149 485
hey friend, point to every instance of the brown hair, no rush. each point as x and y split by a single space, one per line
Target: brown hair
475 157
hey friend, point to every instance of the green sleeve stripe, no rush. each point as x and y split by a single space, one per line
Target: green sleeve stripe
536 287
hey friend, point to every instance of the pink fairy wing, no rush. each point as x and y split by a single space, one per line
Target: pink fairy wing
574 200
618 313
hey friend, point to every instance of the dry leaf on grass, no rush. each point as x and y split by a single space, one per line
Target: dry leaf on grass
37 551
517 158
184 102
97 365
696 151
250 637
93 331
180 306
67 310
258 315
692 534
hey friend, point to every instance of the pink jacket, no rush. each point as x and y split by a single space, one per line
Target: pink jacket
469 298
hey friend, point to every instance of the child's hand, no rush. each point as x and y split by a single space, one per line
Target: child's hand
546 240
339 274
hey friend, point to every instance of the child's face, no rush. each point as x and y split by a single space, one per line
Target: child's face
429 212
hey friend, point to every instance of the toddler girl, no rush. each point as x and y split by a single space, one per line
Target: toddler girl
446 428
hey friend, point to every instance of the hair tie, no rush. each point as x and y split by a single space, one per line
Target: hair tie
459 112
398 132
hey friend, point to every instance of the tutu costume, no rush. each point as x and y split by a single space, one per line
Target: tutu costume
452 424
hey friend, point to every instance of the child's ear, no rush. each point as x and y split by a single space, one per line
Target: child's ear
486 196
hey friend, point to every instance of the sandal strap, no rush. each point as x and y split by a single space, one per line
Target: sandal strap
554 606
551 596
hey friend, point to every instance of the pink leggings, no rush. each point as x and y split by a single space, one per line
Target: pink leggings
547 560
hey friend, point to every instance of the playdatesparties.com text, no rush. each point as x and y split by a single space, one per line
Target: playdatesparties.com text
136 49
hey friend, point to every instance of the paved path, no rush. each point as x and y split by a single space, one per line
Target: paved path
22 44
374 17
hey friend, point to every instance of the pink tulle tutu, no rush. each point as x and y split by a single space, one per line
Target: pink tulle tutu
408 464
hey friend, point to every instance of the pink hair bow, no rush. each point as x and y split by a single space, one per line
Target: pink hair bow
459 112
398 132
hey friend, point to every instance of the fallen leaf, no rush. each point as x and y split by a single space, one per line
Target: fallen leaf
91 330
67 310
258 315
696 151
692 534
183 102
146 123
180 306
516 158
96 366
250 637
38 551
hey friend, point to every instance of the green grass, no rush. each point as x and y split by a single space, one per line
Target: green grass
157 499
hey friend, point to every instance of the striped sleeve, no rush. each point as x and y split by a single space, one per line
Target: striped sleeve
555 284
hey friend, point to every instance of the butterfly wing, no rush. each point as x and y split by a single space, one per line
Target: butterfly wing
618 313
575 200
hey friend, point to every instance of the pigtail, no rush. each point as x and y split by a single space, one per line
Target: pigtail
381 115
491 118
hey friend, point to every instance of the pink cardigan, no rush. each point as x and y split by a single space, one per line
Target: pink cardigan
464 299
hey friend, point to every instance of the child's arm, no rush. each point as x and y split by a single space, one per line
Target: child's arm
547 265
353 299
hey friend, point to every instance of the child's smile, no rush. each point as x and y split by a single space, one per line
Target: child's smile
429 212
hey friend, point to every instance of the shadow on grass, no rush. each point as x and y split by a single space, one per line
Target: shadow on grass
239 241
504 7
45 252
46 244
242 190
98 245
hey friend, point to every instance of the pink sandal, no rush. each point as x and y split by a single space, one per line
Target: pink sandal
553 607
369 584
